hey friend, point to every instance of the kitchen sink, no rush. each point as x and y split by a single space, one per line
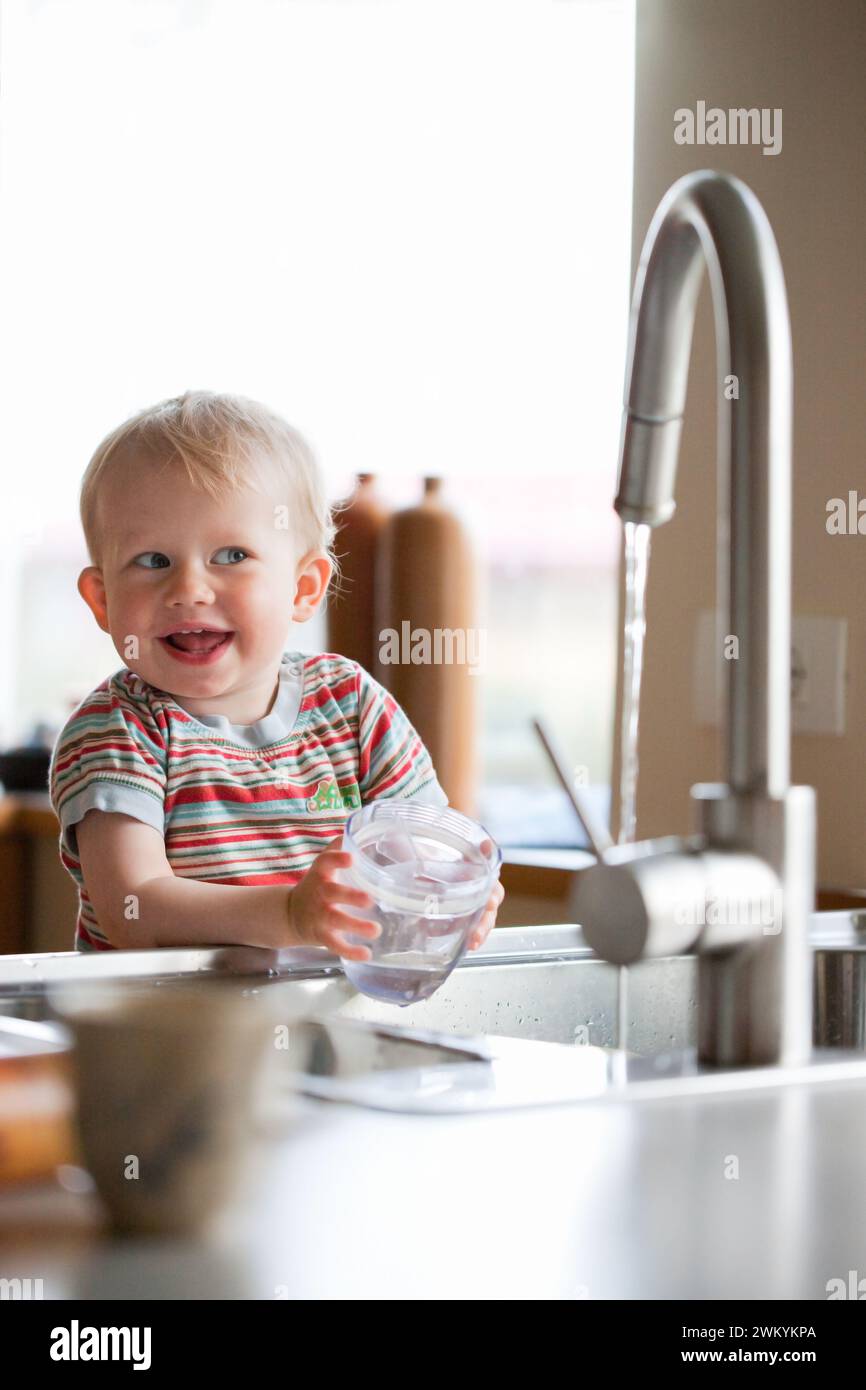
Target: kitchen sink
529 1019
545 984
567 999
536 1017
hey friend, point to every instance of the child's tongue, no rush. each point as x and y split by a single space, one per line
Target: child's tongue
196 641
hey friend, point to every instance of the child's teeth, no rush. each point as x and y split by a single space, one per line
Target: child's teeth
209 639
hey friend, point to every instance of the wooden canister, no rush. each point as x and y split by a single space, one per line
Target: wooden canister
350 614
426 611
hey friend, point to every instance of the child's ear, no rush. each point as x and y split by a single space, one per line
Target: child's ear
311 584
91 587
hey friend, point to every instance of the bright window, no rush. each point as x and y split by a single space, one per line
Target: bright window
403 223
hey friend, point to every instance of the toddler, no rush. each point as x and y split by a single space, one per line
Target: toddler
201 790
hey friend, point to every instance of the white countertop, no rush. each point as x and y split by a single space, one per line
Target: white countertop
580 1201
620 1198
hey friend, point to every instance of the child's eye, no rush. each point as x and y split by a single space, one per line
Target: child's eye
152 560
155 560
234 552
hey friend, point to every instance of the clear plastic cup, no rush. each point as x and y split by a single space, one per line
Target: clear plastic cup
430 879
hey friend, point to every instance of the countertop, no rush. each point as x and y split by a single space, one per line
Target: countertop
741 1194
589 1201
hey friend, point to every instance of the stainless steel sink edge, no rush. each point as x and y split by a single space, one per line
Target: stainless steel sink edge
536 984
509 945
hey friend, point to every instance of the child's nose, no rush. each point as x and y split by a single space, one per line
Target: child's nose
189 583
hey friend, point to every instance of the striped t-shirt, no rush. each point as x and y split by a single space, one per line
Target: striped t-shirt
251 804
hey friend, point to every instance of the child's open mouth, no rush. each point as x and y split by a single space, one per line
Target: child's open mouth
196 647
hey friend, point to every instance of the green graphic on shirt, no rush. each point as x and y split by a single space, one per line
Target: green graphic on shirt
328 797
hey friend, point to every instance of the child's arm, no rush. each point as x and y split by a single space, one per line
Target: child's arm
140 902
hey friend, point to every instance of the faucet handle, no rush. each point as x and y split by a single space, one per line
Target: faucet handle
665 897
597 833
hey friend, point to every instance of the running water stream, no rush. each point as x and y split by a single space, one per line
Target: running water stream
637 550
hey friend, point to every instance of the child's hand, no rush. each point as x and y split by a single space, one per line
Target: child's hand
314 916
488 919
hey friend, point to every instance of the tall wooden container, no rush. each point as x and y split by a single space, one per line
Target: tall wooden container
350 614
427 583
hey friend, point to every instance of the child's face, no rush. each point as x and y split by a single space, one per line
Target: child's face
174 558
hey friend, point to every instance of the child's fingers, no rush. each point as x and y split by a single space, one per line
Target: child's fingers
340 923
487 922
484 928
334 846
495 899
343 922
348 950
480 931
330 860
355 897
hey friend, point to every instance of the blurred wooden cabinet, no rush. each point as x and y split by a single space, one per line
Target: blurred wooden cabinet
38 899
14 876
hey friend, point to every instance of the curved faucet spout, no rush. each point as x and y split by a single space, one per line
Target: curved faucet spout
714 220
756 834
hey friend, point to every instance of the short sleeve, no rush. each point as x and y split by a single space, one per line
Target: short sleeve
392 758
110 756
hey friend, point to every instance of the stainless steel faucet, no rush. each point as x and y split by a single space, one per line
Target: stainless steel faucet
741 891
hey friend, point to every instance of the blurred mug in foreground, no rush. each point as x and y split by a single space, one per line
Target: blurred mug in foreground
167 1088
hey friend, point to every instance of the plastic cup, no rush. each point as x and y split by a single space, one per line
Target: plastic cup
430 878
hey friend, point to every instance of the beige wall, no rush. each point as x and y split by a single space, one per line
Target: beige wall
806 57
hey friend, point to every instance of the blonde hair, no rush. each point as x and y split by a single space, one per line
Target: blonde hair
220 440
